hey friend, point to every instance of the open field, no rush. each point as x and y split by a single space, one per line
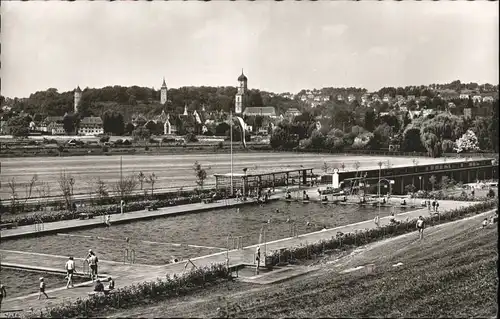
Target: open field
156 241
172 170
451 273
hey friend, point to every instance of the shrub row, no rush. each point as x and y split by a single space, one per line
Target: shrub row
137 294
464 196
359 238
99 211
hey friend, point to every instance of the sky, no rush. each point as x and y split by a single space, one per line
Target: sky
282 46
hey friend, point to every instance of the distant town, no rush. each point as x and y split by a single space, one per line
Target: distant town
378 120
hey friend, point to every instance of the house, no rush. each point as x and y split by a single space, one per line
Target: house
340 97
375 97
317 98
303 98
464 96
403 108
91 125
468 113
411 98
292 112
422 98
451 105
488 99
400 98
387 98
310 96
351 98
56 128
266 111
365 98
44 125
477 98
326 98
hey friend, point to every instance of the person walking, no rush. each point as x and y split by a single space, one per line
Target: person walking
70 269
377 221
437 207
42 289
434 205
420 227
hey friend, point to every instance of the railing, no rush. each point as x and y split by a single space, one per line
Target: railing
85 267
39 226
129 256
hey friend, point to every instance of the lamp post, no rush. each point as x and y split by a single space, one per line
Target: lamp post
420 179
231 147
379 178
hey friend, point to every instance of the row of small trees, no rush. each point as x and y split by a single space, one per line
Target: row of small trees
125 186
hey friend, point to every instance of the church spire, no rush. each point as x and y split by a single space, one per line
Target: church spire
164 84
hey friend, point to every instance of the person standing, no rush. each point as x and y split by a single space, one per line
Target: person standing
377 221
434 205
92 260
437 207
257 257
420 227
3 294
70 269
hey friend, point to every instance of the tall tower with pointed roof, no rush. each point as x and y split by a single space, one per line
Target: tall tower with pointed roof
239 102
77 98
163 94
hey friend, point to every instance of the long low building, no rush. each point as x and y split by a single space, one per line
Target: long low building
423 177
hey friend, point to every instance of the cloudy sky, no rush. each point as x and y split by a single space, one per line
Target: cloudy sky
282 46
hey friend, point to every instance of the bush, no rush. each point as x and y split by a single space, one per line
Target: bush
359 238
491 193
104 139
127 142
190 138
168 140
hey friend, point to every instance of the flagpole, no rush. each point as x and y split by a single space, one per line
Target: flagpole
231 140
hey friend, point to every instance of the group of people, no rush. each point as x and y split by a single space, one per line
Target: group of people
92 261
392 219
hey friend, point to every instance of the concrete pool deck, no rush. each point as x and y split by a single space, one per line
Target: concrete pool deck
128 274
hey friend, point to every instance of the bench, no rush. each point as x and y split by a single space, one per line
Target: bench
7 226
86 216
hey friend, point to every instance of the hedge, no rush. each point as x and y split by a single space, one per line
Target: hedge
116 199
133 295
440 195
130 207
359 238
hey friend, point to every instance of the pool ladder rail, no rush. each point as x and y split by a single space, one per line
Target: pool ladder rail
129 256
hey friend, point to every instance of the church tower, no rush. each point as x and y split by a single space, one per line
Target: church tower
78 97
163 96
240 95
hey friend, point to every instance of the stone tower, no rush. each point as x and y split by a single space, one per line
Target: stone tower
78 97
163 95
239 103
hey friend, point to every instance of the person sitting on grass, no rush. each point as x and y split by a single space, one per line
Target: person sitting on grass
392 219
485 223
3 294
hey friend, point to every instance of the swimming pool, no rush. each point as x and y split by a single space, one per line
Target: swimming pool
157 241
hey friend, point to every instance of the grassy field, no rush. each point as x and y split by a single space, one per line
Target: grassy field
172 170
451 273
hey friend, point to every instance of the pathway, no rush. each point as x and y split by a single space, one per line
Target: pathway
127 274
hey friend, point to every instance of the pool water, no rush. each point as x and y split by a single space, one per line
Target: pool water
21 282
208 229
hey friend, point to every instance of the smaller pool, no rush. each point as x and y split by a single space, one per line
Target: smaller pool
21 283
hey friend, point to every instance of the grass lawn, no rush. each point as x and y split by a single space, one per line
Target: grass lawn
451 273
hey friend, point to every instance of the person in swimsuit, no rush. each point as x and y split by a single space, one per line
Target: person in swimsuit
420 226
42 289
70 269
